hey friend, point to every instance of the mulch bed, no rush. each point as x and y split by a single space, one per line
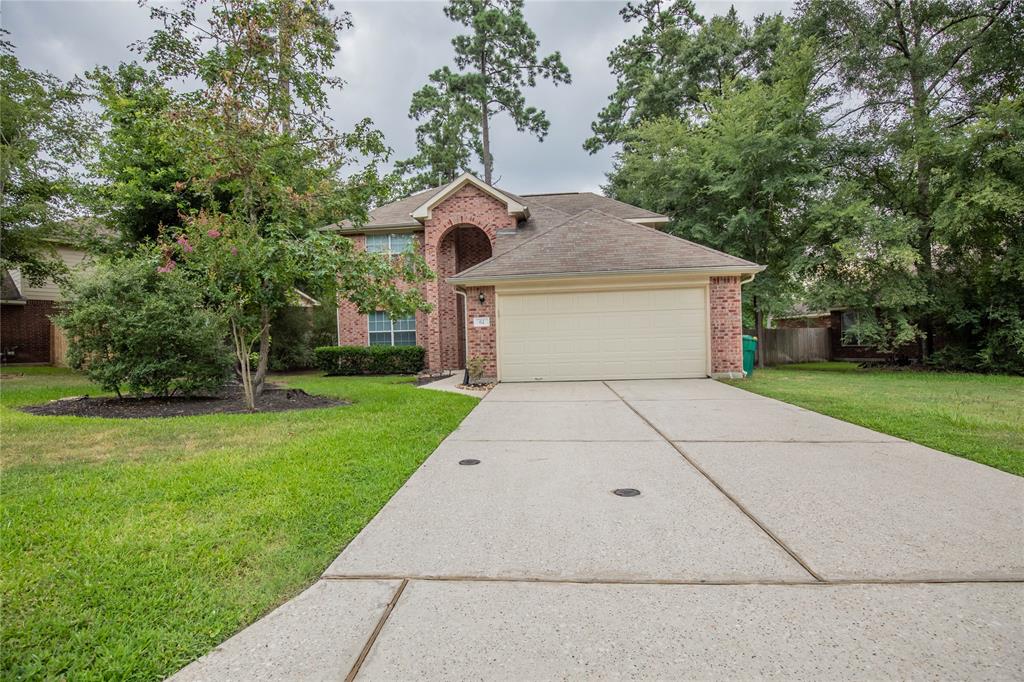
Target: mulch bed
229 402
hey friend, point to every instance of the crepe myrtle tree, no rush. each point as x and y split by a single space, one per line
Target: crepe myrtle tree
248 276
261 152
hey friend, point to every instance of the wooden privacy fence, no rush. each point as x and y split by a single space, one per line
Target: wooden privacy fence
58 346
783 346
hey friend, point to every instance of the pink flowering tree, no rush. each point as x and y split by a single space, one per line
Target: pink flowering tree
260 149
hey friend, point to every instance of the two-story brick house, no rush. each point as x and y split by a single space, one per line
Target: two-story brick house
550 287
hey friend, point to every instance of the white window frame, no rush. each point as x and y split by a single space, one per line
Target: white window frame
389 250
391 331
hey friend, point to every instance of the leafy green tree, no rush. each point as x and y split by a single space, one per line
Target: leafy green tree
914 73
260 149
864 262
131 327
742 179
495 61
447 138
981 222
142 180
43 135
675 60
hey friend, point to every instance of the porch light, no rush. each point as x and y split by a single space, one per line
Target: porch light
481 297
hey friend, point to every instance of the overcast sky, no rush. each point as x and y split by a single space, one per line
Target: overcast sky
384 58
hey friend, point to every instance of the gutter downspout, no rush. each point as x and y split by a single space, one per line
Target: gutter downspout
465 332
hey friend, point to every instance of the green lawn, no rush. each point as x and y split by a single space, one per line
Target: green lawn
131 547
976 416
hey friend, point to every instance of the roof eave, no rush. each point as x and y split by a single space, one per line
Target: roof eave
719 270
373 227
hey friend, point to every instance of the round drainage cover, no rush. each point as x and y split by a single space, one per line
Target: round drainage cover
626 492
468 462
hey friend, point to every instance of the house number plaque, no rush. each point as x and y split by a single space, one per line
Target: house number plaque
481 322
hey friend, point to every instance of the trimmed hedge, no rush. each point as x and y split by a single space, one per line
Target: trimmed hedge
354 360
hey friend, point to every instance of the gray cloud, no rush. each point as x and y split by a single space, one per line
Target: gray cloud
384 58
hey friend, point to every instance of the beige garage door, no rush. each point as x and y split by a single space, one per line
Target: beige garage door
631 334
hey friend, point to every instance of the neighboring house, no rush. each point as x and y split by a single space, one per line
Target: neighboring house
547 287
26 333
844 343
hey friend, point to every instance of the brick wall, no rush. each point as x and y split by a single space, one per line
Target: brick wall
352 326
459 234
468 206
26 329
482 343
726 325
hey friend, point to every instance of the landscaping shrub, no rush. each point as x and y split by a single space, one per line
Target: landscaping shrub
132 327
351 360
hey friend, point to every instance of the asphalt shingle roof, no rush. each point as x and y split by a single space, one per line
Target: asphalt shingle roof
596 242
399 213
565 233
577 202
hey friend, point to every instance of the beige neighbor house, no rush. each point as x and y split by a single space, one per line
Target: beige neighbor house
554 287
26 333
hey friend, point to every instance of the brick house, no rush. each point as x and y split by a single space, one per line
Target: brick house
26 333
550 287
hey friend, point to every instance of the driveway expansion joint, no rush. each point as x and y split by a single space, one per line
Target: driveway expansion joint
796 557
668 582
376 631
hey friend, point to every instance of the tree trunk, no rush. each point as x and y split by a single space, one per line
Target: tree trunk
923 169
284 58
485 124
242 355
486 139
759 332
264 361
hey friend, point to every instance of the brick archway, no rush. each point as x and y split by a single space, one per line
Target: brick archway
467 207
461 246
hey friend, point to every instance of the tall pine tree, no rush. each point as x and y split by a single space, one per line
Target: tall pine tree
447 138
494 62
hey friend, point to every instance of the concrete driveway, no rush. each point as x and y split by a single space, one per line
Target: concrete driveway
766 541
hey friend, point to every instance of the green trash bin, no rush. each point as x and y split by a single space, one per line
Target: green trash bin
749 353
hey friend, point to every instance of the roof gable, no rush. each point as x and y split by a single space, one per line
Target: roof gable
593 242
514 206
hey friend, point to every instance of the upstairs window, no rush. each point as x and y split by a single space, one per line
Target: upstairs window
389 243
387 332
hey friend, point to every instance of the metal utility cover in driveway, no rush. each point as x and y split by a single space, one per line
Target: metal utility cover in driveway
545 510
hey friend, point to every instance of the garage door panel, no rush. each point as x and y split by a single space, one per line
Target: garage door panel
602 335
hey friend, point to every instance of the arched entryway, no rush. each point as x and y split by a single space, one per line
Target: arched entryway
462 247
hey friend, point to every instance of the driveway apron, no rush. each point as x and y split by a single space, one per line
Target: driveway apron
669 529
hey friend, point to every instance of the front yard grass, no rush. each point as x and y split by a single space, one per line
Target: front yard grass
131 547
979 417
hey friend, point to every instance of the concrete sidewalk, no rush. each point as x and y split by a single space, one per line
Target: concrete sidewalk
766 541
